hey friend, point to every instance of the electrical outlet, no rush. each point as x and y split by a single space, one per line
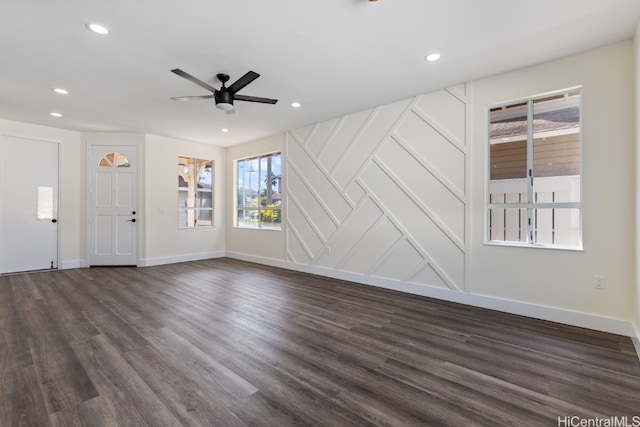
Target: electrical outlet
598 282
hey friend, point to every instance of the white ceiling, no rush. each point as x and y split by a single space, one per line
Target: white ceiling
334 56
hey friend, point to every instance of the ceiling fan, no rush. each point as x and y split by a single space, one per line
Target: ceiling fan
224 96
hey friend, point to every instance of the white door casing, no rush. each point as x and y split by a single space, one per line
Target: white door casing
113 205
28 204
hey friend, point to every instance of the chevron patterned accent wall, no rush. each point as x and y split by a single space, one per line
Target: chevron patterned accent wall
382 192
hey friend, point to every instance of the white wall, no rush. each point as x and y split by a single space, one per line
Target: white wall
163 241
353 208
564 279
261 244
71 232
637 212
395 197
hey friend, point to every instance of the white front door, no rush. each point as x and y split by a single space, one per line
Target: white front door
113 205
28 204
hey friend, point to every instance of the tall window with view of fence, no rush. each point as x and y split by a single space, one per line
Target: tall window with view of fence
535 172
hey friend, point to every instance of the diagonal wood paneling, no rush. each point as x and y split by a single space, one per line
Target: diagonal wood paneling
346 132
382 192
320 184
375 129
424 185
443 154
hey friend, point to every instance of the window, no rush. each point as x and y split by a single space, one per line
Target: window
535 172
45 203
112 159
195 192
259 186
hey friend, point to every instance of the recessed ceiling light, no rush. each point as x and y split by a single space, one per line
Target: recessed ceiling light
224 130
60 91
432 57
98 29
296 105
54 114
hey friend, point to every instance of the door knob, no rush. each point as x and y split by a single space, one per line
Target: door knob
54 220
132 220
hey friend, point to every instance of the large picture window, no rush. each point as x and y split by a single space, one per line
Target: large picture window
535 180
259 186
195 192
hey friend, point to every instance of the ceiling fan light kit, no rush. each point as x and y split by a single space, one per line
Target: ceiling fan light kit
224 106
225 96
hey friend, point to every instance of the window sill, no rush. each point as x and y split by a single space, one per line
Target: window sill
534 246
239 227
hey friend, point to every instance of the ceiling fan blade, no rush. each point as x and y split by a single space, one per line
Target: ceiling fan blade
254 99
188 98
192 79
243 81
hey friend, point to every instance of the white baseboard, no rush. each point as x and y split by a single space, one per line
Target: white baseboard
149 262
553 314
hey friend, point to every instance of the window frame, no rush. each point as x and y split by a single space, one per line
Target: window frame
237 209
530 205
197 191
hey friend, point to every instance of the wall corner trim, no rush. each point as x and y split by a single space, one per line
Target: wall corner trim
636 338
69 264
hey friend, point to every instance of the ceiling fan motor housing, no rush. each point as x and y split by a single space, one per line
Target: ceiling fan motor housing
224 99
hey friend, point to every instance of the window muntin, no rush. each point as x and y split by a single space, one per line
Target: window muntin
195 192
259 192
535 171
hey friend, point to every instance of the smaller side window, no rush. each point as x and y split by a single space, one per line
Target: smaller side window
259 192
195 192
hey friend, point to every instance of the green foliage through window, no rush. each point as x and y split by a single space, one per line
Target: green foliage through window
259 192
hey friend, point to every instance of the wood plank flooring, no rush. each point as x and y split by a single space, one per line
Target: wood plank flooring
228 343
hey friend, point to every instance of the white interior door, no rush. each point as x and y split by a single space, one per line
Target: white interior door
113 200
28 204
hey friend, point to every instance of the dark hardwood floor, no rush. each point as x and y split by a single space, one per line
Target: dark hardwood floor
229 343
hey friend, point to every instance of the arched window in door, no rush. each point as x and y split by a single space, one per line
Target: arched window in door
114 158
